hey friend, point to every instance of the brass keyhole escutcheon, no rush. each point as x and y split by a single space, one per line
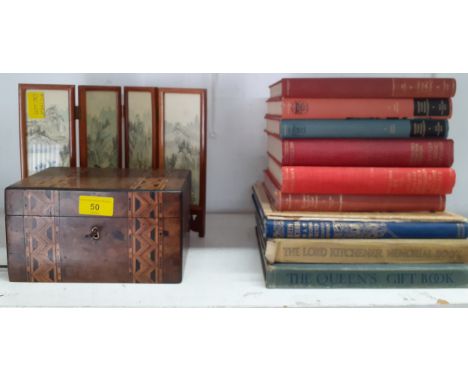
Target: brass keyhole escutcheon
94 233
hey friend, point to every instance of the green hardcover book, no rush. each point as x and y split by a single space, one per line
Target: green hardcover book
361 275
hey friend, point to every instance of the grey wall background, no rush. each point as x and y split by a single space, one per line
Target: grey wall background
236 143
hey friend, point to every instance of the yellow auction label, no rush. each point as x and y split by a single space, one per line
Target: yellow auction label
96 205
36 106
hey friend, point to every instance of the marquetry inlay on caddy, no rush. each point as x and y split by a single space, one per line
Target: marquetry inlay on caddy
145 229
42 249
150 184
41 202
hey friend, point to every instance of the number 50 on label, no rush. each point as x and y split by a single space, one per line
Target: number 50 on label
96 205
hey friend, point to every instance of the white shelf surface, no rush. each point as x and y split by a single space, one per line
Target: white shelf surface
221 270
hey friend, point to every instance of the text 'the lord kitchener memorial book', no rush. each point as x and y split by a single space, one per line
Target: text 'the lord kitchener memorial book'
355 186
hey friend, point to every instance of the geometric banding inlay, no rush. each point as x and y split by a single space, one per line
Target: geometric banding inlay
42 252
144 230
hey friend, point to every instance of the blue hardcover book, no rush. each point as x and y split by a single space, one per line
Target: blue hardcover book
417 225
358 128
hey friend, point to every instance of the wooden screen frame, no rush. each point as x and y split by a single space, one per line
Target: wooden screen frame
22 89
198 211
154 121
82 90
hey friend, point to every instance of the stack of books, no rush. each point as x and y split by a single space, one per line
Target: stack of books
354 194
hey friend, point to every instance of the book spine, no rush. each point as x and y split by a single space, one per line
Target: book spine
332 108
367 180
369 87
455 277
367 251
351 203
364 128
358 203
368 152
363 230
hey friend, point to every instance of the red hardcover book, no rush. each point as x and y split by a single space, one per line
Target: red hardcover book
363 180
362 152
350 203
364 88
344 108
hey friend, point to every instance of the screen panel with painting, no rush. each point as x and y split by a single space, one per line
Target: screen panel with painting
100 127
140 127
182 132
47 127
